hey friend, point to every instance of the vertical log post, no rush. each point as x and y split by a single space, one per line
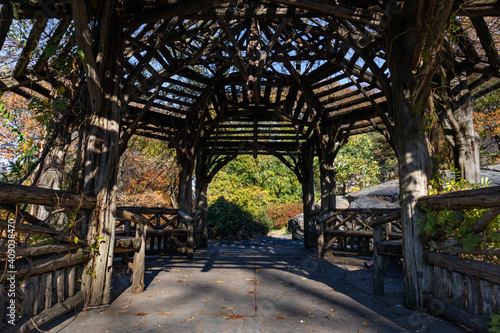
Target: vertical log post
328 136
102 66
139 259
378 261
413 154
202 169
307 160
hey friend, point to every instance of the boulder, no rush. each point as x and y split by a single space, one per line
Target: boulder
341 202
296 226
372 202
387 192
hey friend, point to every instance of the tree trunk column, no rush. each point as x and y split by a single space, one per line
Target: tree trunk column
467 142
102 151
307 192
414 159
327 175
185 198
202 180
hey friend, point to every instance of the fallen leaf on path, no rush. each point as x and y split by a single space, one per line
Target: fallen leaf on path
223 314
265 321
141 314
365 323
253 292
236 316
220 281
249 279
280 317
227 307
179 280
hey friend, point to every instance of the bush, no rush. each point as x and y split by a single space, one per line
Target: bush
280 214
228 221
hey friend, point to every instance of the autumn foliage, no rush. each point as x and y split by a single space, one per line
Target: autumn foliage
280 214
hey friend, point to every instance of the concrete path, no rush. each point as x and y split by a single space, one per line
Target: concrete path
271 284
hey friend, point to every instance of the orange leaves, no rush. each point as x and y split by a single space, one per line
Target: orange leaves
236 316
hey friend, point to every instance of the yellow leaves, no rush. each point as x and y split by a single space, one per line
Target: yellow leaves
220 281
249 279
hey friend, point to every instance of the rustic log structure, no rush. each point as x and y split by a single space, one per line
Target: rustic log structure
215 79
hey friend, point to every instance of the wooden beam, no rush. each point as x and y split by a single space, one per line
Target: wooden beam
11 194
182 8
32 42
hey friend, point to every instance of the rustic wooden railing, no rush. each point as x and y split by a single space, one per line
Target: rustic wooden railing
167 230
42 263
350 231
465 290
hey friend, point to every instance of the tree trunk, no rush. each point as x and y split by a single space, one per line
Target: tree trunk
327 174
102 150
414 158
185 197
52 174
307 170
457 121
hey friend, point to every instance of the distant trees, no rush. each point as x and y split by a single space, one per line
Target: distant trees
487 123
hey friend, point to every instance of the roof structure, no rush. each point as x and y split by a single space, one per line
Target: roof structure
261 74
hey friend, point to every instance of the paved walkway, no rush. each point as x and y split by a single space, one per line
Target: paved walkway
271 284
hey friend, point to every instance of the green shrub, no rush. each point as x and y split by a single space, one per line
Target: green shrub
280 214
229 221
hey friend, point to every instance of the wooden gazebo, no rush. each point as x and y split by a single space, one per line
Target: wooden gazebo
290 78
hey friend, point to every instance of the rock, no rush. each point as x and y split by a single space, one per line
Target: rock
340 201
296 226
492 172
369 202
492 168
387 192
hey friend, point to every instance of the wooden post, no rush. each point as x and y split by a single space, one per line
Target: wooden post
378 261
202 170
139 259
327 151
102 150
413 155
456 117
307 191
189 222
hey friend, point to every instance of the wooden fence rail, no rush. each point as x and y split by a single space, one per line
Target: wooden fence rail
465 290
350 231
46 277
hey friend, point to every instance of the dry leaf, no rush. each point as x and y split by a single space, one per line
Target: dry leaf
141 314
227 307
220 281
236 316
280 317
179 280
365 323
253 292
223 314
249 279
265 321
